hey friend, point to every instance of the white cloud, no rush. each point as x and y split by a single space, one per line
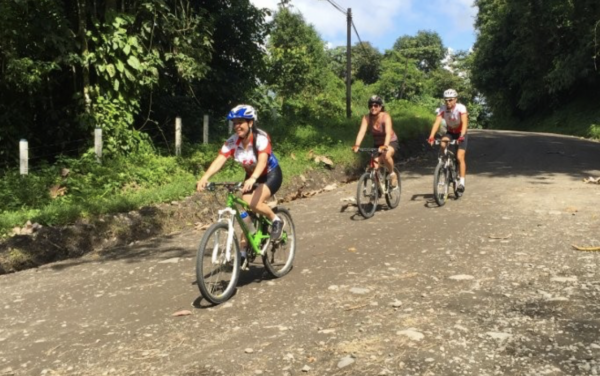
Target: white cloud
371 20
460 14
381 23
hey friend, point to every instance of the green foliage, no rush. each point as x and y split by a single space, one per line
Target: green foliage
115 118
425 49
366 62
532 55
580 117
400 78
297 69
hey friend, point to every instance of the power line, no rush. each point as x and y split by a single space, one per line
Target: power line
336 6
360 41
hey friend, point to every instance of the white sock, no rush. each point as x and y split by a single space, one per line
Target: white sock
276 218
462 181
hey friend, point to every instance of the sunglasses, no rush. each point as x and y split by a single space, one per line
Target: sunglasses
374 105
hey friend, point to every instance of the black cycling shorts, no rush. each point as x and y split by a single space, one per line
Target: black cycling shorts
394 145
455 136
272 179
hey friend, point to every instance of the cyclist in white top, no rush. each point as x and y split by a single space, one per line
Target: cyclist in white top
457 121
251 147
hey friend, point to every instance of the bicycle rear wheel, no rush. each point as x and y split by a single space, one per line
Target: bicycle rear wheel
440 184
216 276
367 194
392 196
279 259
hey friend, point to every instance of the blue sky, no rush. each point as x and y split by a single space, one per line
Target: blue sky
382 22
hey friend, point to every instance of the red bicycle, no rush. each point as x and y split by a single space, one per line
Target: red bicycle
374 183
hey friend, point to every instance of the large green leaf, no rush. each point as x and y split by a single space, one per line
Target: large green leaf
110 68
134 62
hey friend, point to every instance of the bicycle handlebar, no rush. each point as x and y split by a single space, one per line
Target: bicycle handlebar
369 150
231 186
451 142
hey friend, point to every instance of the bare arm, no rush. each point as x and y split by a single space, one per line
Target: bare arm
261 163
215 166
361 134
465 124
434 128
388 130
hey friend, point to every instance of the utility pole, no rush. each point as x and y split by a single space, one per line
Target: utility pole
349 66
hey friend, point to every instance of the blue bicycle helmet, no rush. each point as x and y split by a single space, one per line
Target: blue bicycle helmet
242 111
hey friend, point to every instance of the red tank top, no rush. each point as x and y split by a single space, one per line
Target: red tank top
379 133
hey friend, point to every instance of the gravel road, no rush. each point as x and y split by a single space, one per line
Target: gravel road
486 285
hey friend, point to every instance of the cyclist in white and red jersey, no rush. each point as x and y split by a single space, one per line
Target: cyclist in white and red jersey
251 147
457 121
379 123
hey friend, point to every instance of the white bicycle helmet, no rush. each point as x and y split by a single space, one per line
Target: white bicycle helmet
450 93
242 111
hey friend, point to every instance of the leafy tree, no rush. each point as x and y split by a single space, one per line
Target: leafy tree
337 61
426 48
71 65
366 62
530 54
298 68
400 77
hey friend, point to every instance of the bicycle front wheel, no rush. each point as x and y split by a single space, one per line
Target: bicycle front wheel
392 196
367 194
440 184
216 273
279 259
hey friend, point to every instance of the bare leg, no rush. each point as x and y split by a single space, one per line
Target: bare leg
461 159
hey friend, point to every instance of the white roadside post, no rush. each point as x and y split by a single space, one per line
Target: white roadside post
23 157
178 136
98 144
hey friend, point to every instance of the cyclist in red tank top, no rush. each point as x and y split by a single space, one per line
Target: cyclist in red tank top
379 123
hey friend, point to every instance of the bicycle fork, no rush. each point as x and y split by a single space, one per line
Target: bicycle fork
230 233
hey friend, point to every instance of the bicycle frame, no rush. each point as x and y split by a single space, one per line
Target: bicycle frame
374 168
231 211
445 155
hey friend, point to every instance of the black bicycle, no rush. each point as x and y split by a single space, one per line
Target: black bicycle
446 173
375 182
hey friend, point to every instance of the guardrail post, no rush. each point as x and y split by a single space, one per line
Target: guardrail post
178 136
98 144
23 157
205 133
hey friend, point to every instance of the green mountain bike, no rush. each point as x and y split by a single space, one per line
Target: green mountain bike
218 261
